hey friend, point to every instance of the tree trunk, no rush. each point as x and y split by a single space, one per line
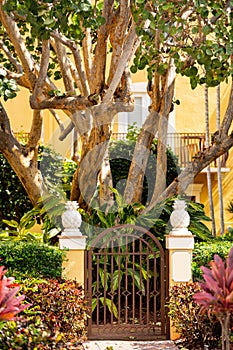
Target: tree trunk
221 208
161 93
134 185
209 183
22 159
94 151
29 175
105 182
161 166
225 325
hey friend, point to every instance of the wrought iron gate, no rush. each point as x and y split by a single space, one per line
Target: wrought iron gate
126 285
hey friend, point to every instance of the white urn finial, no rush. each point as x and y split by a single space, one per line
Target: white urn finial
71 219
180 218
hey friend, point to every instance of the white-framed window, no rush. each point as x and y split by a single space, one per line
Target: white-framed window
142 102
138 116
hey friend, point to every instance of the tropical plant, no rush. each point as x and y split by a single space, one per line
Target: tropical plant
19 231
195 328
109 281
47 324
10 304
29 332
216 295
158 219
98 219
47 212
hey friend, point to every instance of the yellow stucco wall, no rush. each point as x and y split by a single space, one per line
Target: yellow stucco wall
190 114
19 111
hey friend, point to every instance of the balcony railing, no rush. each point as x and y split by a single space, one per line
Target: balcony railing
184 145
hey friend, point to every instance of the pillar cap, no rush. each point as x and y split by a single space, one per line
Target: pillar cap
180 242
72 242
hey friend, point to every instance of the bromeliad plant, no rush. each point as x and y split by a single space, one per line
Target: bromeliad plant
10 304
216 295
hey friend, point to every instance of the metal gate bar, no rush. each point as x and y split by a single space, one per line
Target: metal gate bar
126 285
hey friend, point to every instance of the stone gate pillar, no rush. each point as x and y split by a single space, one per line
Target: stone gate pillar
180 243
72 240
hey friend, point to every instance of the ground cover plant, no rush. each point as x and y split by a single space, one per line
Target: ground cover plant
202 311
57 312
55 319
194 327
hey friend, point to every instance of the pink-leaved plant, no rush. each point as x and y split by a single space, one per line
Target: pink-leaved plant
10 304
216 295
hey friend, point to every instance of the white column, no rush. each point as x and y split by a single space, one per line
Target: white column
74 242
180 243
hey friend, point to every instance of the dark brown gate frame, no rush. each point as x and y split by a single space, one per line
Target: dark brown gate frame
116 329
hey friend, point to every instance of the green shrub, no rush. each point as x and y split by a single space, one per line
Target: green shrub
195 328
120 155
31 259
56 319
204 252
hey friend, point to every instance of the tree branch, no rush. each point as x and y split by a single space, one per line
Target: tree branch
66 131
66 103
4 121
64 64
19 78
6 135
120 33
38 94
36 128
58 120
99 64
18 42
77 58
130 47
179 185
88 57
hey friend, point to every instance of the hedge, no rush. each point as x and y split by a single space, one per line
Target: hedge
23 259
